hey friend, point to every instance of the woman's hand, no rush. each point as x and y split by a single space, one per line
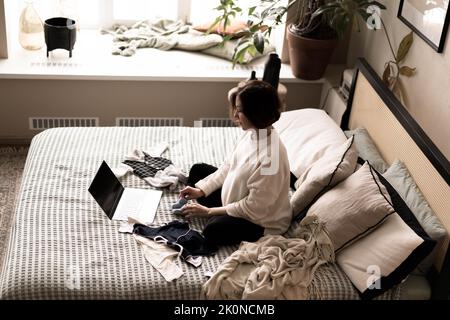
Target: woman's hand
190 193
195 210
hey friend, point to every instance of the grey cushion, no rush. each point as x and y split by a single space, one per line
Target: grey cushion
367 149
399 177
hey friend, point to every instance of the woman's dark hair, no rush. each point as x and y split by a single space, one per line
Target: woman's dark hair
259 101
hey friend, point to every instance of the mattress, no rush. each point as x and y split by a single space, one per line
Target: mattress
63 246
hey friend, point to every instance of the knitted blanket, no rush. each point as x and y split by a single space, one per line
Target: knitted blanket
161 34
275 267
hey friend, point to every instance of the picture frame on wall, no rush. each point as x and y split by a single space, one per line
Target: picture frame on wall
429 19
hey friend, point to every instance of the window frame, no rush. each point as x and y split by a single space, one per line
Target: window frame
106 19
3 36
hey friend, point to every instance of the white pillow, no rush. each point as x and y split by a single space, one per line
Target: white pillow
307 134
387 255
323 174
353 208
379 253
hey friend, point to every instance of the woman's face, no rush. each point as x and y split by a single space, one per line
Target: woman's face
239 116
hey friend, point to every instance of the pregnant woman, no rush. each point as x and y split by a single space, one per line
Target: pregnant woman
246 197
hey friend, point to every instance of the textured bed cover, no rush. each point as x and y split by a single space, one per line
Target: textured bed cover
63 246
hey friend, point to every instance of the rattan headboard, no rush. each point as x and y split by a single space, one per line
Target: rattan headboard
398 136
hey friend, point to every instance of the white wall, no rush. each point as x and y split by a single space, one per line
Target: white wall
428 92
21 99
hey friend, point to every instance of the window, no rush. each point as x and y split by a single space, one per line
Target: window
190 11
202 10
122 10
105 13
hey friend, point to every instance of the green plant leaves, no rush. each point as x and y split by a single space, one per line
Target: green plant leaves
404 47
387 74
310 14
407 71
393 70
258 41
239 53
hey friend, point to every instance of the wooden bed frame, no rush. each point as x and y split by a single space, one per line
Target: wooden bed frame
398 136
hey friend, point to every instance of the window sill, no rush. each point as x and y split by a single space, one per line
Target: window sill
92 60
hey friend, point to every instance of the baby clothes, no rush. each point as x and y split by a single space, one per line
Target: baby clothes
138 155
157 171
155 151
179 236
149 167
177 207
169 177
160 257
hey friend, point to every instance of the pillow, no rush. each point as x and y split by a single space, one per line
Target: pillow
353 208
367 149
325 173
398 176
307 134
226 51
234 28
387 255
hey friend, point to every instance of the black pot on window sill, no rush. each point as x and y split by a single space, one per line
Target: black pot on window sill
60 33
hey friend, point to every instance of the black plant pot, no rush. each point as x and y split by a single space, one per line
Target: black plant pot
60 33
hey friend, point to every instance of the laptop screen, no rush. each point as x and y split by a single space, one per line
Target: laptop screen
106 189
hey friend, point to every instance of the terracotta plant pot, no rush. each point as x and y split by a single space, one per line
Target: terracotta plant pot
309 57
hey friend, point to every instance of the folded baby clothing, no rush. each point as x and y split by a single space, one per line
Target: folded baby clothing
148 165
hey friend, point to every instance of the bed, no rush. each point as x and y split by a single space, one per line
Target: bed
63 246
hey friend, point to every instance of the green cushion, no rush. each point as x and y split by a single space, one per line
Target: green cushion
399 177
367 149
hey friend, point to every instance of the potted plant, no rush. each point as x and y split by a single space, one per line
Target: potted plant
313 30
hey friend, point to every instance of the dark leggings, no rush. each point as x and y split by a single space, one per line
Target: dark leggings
224 229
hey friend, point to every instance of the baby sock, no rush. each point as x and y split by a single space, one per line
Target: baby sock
178 206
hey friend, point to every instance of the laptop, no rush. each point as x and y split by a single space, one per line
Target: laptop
118 202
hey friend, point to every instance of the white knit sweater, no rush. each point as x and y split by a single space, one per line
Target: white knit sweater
255 187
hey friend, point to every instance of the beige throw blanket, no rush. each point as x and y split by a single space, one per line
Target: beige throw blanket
161 34
275 267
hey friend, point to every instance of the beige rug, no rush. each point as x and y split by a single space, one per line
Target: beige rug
12 161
